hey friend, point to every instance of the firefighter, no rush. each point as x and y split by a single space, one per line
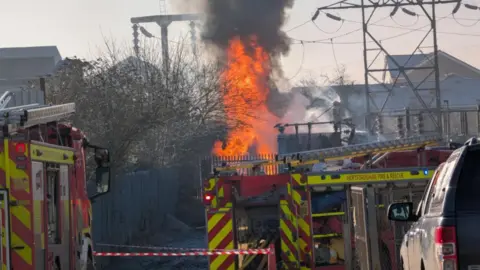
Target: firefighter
337 116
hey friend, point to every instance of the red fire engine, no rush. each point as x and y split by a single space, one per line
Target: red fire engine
45 210
309 215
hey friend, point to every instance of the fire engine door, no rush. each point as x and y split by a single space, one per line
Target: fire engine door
4 230
365 227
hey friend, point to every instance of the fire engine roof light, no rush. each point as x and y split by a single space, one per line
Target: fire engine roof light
48 114
208 197
425 172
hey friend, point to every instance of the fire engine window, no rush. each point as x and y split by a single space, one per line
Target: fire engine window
53 204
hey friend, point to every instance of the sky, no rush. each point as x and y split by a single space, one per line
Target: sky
79 28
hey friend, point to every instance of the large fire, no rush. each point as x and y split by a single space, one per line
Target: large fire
245 80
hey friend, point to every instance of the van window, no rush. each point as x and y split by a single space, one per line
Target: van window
438 195
443 180
468 186
422 205
430 191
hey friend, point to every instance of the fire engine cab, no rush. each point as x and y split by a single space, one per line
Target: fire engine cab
45 210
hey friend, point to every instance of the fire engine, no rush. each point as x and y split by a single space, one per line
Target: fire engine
45 210
322 209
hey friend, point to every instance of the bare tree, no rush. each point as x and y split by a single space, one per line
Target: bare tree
143 113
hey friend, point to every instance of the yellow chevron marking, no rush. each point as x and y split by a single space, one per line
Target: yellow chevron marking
6 164
213 220
302 224
297 197
215 264
224 232
211 184
297 178
26 252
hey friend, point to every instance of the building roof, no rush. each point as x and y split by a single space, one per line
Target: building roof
459 91
407 61
30 52
417 60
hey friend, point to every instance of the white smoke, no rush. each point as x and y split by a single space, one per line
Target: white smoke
316 108
188 6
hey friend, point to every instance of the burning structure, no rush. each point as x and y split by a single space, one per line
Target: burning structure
248 34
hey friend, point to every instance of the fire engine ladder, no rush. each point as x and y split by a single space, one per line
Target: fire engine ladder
335 153
338 153
34 114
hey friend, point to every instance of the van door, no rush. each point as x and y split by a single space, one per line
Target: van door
467 210
4 230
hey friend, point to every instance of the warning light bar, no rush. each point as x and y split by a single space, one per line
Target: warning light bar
361 177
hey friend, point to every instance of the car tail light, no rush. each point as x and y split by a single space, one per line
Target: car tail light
446 246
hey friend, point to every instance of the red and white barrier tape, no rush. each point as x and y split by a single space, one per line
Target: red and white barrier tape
182 254
152 247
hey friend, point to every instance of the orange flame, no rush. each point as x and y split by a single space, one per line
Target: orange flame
244 98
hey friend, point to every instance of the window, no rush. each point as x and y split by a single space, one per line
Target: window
53 206
467 196
436 196
428 196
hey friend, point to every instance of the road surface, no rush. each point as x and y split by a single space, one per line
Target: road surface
190 239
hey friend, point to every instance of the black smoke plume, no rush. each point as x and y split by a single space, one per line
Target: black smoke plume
227 19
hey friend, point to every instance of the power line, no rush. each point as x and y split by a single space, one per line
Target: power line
368 10
298 26
417 29
410 30
335 37
334 54
326 32
463 24
301 64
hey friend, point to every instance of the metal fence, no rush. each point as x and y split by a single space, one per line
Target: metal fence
210 162
457 122
135 208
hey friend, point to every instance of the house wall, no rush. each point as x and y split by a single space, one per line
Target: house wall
13 68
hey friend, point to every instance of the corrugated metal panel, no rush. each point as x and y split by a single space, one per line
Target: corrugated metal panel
22 96
136 206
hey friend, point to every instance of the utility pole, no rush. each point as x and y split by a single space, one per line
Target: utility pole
368 9
164 21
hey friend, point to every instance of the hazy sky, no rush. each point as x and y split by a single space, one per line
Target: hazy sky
78 27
